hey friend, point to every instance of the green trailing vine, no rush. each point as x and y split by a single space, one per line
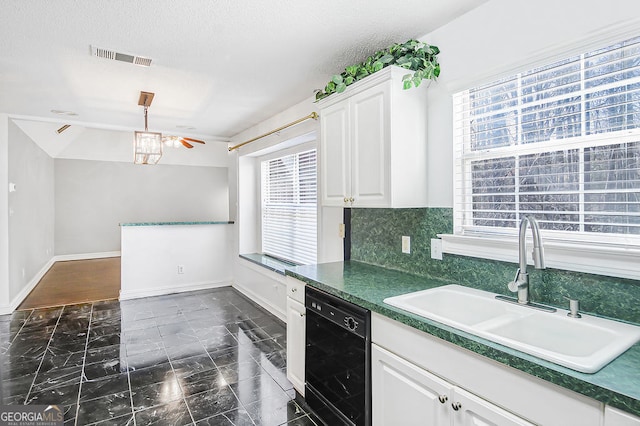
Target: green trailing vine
412 55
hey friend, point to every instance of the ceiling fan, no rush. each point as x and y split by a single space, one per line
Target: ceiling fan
174 141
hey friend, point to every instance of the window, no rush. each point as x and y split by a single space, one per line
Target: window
560 142
289 207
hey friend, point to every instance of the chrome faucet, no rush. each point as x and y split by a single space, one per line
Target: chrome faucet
521 281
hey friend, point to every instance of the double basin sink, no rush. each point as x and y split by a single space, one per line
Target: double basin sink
583 344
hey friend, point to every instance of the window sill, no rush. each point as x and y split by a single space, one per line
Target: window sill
268 262
610 260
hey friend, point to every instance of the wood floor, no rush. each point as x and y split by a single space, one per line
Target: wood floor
76 281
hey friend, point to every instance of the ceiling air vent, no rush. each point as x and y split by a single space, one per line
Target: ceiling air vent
119 56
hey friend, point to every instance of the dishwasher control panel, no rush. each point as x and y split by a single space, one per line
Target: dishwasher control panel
340 312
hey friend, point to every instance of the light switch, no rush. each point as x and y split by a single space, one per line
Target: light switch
406 244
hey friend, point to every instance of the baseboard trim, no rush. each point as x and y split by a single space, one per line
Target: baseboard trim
7 309
160 291
266 304
85 256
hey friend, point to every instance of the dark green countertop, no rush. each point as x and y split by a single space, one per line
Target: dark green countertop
617 384
276 265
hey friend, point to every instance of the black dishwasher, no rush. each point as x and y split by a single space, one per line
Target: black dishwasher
337 359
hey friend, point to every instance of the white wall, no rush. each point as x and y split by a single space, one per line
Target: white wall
151 255
330 244
93 197
249 198
500 38
31 212
4 215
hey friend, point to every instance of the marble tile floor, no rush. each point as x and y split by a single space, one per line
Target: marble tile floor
208 357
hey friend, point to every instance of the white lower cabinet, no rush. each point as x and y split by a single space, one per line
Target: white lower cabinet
615 417
405 394
296 322
471 410
409 395
412 371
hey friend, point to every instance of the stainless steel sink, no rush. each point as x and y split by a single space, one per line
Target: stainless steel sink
584 344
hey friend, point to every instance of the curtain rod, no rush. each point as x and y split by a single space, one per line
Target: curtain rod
314 115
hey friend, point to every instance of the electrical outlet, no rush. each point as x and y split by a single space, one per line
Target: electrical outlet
181 269
341 230
436 248
406 244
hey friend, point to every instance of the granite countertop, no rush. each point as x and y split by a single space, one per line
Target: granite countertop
176 223
269 262
617 384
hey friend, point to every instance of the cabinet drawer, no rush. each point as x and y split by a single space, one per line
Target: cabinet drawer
295 289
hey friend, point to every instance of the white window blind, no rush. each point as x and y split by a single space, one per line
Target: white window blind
560 142
289 207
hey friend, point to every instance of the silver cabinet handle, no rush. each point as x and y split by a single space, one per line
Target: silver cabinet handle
301 314
293 290
346 200
456 406
443 398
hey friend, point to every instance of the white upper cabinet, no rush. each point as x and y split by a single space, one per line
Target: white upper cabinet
373 145
334 157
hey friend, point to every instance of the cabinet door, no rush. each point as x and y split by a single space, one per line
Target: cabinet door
614 417
295 289
295 344
335 155
370 147
470 410
403 394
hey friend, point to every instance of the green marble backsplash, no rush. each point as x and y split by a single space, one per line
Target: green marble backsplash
376 239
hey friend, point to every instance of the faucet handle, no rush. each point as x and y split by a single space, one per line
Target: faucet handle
515 284
574 307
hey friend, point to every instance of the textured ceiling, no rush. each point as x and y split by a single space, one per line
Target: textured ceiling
220 66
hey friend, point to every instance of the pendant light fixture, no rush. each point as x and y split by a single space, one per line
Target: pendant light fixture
147 146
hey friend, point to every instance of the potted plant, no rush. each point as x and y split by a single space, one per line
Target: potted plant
412 55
